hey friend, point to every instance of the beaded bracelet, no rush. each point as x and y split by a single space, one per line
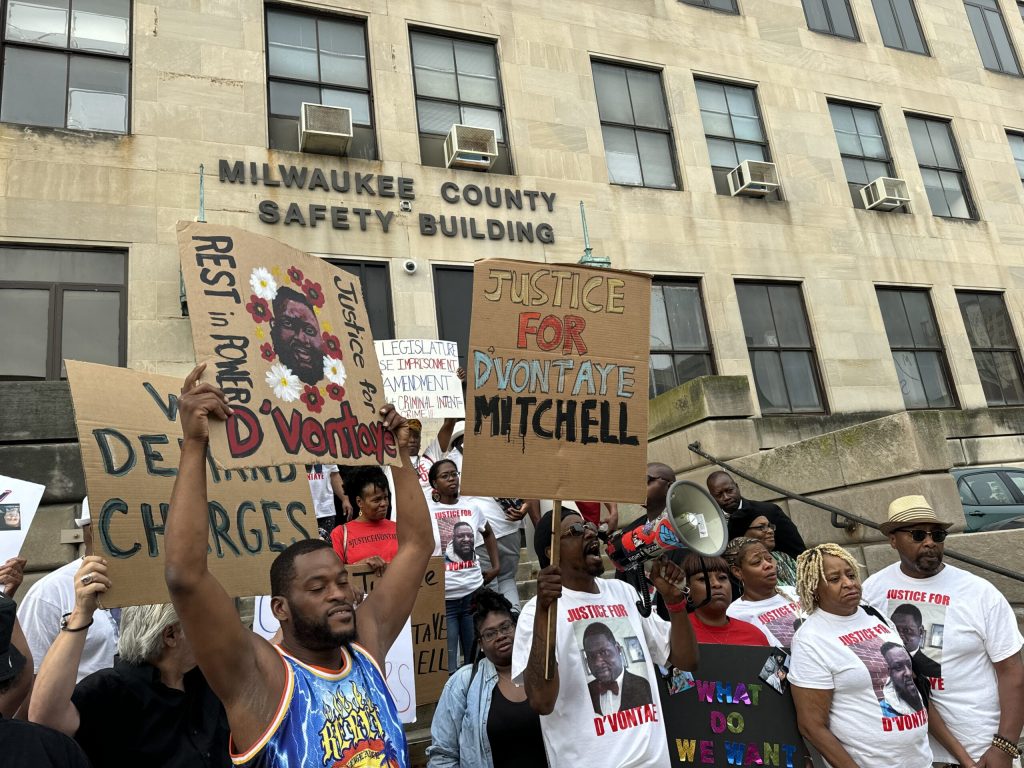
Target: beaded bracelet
1007 746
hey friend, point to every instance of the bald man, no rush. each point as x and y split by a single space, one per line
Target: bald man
742 512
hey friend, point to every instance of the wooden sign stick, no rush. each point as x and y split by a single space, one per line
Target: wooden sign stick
556 546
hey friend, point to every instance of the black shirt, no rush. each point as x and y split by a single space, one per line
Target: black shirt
129 717
30 745
513 729
787 536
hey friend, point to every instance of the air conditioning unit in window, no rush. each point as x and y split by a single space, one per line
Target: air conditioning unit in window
466 146
753 178
325 130
884 194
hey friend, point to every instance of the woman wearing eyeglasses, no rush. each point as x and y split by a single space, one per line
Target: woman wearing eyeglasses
785 566
483 719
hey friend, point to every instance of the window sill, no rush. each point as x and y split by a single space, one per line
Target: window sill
623 185
80 132
1015 75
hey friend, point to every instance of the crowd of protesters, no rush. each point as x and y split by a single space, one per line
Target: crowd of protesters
919 666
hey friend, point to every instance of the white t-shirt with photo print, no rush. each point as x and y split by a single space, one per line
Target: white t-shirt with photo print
970 627
774 617
575 733
843 654
461 577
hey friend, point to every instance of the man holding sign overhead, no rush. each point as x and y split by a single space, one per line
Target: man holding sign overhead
319 698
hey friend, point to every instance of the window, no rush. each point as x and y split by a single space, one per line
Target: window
453 294
993 38
994 345
1017 148
680 350
729 6
940 166
634 124
780 348
862 146
732 127
60 304
456 82
988 489
66 64
833 17
373 277
916 348
899 25
318 60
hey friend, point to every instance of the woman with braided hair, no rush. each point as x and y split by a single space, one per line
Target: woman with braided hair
857 699
773 609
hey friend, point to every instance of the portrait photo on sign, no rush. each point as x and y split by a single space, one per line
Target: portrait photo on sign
775 671
679 680
892 674
458 539
616 679
920 627
10 517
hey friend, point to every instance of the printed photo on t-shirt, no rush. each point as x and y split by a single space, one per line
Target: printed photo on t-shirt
892 673
775 671
458 539
782 622
615 663
920 624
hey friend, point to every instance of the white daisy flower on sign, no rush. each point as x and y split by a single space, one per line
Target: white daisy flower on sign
285 384
263 283
334 371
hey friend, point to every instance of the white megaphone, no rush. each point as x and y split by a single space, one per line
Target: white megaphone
692 521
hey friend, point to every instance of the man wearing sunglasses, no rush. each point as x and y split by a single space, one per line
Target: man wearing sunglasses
966 628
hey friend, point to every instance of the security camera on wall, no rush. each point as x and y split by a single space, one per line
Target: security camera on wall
410 266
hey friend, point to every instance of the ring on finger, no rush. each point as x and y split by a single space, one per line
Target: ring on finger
87 579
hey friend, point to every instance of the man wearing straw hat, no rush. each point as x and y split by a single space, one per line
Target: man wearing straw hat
966 628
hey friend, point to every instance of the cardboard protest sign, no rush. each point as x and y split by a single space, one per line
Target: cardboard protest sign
558 370
129 434
18 503
288 340
728 713
414 669
420 377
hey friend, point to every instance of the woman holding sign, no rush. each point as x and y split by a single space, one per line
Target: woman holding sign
459 528
857 698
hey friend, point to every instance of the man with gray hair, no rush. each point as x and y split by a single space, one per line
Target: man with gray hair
153 708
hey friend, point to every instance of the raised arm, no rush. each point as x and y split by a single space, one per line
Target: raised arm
665 576
542 693
242 669
51 695
383 614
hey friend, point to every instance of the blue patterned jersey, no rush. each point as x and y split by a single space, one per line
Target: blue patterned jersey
342 718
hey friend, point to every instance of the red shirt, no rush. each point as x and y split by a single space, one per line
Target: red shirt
590 510
736 632
366 539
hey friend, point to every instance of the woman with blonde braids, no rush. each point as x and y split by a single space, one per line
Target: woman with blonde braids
852 680
773 609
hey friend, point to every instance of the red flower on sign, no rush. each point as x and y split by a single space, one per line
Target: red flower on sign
312 398
332 345
296 275
314 293
259 309
267 352
335 392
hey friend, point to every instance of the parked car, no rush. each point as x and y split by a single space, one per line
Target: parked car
991 496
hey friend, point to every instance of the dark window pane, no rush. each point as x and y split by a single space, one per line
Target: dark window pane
933 377
98 94
663 375
91 327
453 287
1007 368
998 330
798 370
989 489
292 48
434 67
42 21
922 141
436 116
913 37
359 103
660 334
35 87
613 103
787 310
769 382
25 313
101 26
622 155
910 379
921 319
966 494
284 133
719 5
342 53
373 277
689 367
897 328
756 314
817 19
287 98
656 159
477 73
842 20
981 36
1001 40
647 98
722 153
1017 148
942 144
887 23
46 265
685 316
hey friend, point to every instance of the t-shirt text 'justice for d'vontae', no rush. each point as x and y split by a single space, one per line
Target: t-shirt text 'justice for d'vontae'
564 394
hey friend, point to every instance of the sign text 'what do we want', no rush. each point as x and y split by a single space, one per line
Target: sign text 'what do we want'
558 377
130 436
286 336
